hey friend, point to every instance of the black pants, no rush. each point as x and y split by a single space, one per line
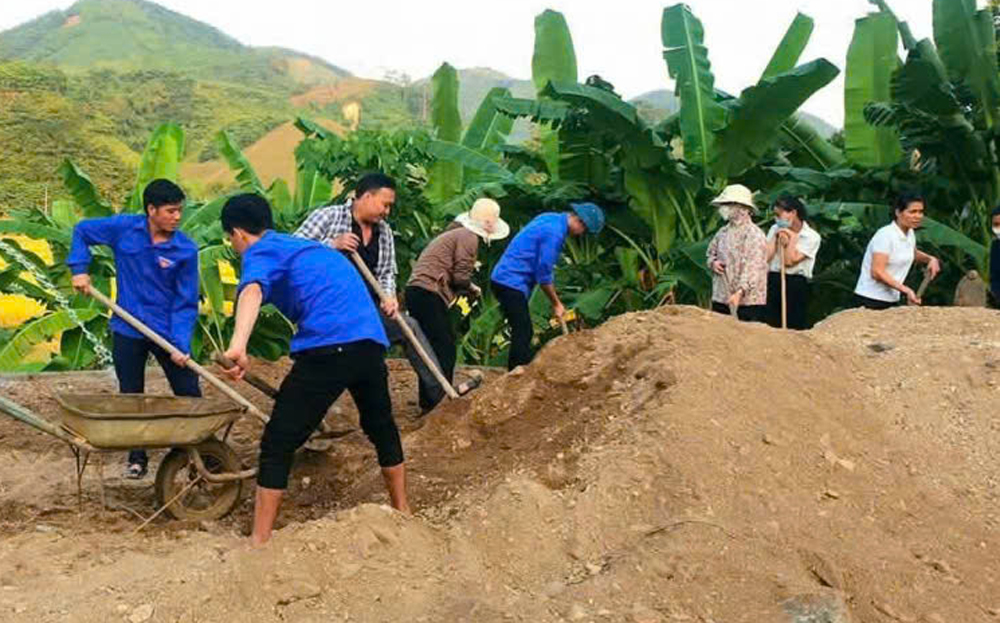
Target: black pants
746 313
873 304
430 310
317 379
797 293
130 354
514 306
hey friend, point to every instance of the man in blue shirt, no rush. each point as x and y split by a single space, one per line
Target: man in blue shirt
339 344
157 278
530 260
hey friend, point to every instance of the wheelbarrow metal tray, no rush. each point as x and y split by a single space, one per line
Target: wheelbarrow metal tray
123 421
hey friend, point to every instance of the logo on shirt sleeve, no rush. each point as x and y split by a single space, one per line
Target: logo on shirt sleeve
164 262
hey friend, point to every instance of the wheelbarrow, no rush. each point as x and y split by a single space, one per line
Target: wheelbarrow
198 479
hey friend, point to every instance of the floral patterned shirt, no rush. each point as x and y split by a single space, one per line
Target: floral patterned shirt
742 247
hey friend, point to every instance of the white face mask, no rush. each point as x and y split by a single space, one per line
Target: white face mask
996 232
726 212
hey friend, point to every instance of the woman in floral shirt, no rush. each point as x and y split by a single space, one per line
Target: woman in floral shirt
737 257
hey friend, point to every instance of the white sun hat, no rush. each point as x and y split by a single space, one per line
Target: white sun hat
484 220
737 193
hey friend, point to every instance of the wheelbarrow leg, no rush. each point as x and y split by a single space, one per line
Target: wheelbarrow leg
82 456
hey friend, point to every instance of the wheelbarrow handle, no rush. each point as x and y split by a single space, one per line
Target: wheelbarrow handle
173 350
373 282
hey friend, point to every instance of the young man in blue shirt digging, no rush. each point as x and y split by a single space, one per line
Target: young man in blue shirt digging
339 344
530 259
157 278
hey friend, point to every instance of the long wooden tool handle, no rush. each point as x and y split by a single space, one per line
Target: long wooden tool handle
784 294
260 384
923 284
373 282
562 324
170 348
733 309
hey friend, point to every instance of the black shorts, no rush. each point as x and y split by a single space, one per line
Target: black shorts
874 304
317 379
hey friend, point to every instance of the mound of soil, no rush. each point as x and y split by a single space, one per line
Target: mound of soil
668 466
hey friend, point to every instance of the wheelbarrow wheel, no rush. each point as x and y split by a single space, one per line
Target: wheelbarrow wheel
204 501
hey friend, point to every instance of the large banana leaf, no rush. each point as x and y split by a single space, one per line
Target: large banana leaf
445 177
687 62
554 57
489 128
966 40
310 128
210 281
280 198
64 214
38 331
539 111
160 160
758 114
871 62
34 230
311 189
245 174
462 156
83 191
196 221
651 200
805 146
789 51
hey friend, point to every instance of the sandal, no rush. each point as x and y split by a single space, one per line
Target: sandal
136 471
475 380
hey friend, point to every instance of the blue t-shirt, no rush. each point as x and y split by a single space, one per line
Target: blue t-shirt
316 288
531 256
157 283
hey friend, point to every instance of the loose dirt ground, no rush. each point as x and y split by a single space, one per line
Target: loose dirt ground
669 466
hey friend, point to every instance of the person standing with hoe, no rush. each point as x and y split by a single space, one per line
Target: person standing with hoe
792 246
737 257
360 227
156 270
339 344
890 255
443 272
530 260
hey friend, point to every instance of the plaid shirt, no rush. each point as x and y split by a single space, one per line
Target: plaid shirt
326 223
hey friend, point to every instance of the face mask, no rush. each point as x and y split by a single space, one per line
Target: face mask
726 212
996 232
783 223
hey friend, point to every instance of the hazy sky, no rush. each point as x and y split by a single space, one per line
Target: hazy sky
619 40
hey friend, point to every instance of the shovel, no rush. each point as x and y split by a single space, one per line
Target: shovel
173 350
923 284
373 282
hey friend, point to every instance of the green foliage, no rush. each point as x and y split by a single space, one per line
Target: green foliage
160 160
871 62
35 332
445 177
789 51
687 61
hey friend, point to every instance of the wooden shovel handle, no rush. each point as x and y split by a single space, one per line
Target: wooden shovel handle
263 386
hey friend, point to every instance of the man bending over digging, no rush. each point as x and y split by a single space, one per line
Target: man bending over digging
339 344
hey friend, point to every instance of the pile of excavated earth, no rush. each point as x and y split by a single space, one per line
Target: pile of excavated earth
671 465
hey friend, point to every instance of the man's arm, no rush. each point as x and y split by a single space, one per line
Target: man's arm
549 248
247 310
86 233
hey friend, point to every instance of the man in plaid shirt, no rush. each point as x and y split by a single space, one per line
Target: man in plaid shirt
360 226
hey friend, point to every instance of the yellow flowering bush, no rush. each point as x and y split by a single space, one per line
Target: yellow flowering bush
16 309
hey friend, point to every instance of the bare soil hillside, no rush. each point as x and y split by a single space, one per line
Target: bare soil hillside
668 466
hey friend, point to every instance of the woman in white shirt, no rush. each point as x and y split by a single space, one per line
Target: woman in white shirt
801 243
889 256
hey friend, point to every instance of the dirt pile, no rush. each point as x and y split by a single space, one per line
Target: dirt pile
669 466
